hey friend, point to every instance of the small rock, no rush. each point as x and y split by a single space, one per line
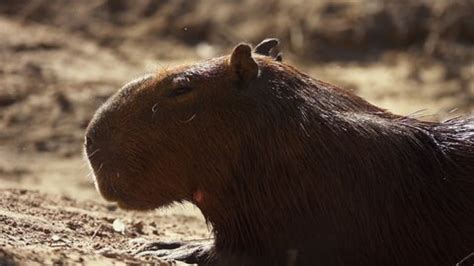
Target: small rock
118 226
55 238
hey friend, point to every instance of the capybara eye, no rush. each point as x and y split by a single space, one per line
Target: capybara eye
179 91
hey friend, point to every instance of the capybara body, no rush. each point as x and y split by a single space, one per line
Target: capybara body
289 170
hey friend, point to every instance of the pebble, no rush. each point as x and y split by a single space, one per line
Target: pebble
118 226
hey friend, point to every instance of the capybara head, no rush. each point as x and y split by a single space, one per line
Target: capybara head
162 137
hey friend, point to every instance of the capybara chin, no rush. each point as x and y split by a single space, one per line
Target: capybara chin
289 170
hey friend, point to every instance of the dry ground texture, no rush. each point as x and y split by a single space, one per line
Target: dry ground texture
61 59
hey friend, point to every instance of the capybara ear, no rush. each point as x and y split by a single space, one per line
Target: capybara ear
243 63
269 47
266 45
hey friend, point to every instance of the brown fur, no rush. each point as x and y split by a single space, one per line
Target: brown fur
288 166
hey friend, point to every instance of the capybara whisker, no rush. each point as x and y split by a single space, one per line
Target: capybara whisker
154 108
92 153
90 174
189 119
100 168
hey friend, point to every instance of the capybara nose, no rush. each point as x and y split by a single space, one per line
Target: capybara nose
88 143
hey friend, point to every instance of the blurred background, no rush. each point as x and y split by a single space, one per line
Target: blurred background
61 59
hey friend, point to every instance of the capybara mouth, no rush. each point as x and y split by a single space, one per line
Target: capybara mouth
136 206
127 202
103 181
105 189
110 192
106 183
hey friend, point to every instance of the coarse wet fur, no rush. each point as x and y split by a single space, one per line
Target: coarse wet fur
289 170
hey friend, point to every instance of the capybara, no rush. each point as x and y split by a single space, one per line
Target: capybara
288 170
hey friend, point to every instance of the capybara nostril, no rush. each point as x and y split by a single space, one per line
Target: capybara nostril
90 145
88 142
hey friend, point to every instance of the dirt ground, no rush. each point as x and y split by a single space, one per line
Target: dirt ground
60 61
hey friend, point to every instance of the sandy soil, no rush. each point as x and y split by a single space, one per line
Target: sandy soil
47 229
56 71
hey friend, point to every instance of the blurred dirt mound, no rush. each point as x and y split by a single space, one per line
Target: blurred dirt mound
50 84
325 30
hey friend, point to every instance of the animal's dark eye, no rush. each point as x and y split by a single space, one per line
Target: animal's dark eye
179 91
